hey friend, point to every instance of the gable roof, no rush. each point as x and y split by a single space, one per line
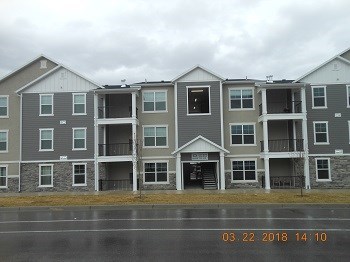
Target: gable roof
27 64
338 56
194 68
50 73
219 148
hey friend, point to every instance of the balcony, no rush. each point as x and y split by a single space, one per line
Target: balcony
284 145
292 107
116 149
114 112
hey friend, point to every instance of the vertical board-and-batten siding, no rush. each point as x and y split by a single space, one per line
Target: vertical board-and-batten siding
63 133
61 80
191 126
338 129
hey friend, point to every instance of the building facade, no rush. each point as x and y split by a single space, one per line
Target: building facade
62 132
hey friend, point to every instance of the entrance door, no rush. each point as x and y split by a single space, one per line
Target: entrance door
195 174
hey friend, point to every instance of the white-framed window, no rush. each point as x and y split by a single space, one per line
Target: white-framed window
244 170
198 100
348 95
43 64
3 176
46 104
155 136
241 98
45 175
156 172
323 170
79 138
154 101
4 106
46 139
319 97
79 174
79 104
321 133
242 134
4 135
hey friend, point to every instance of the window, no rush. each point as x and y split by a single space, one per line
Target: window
198 100
348 95
3 176
45 175
46 139
79 138
79 174
242 134
319 97
323 169
4 102
79 104
43 64
244 170
154 101
46 105
156 172
321 133
155 136
4 140
241 99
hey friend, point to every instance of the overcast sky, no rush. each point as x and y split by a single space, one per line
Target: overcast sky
157 40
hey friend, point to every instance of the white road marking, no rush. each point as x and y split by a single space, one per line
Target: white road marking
176 229
175 219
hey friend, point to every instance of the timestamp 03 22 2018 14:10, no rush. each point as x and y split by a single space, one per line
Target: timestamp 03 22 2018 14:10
269 237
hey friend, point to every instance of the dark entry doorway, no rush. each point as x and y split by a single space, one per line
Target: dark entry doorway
197 174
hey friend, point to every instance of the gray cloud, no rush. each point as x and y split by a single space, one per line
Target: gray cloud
158 40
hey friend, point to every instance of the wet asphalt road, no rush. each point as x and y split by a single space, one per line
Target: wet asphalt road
176 234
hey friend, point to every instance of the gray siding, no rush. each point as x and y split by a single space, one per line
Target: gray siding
338 129
63 134
190 127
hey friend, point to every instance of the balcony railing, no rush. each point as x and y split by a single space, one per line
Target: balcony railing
121 184
284 145
116 149
114 112
282 108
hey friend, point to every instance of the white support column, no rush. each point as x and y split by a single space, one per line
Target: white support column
267 172
222 171
178 172
293 102
294 136
96 141
133 105
266 151
303 100
305 138
134 157
264 101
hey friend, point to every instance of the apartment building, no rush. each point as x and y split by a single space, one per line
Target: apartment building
10 119
198 130
328 121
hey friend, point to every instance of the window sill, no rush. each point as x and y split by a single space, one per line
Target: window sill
45 186
79 114
323 180
154 112
3 187
79 149
4 152
46 150
243 181
321 144
241 109
155 183
47 115
79 185
319 107
199 114
235 145
4 117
